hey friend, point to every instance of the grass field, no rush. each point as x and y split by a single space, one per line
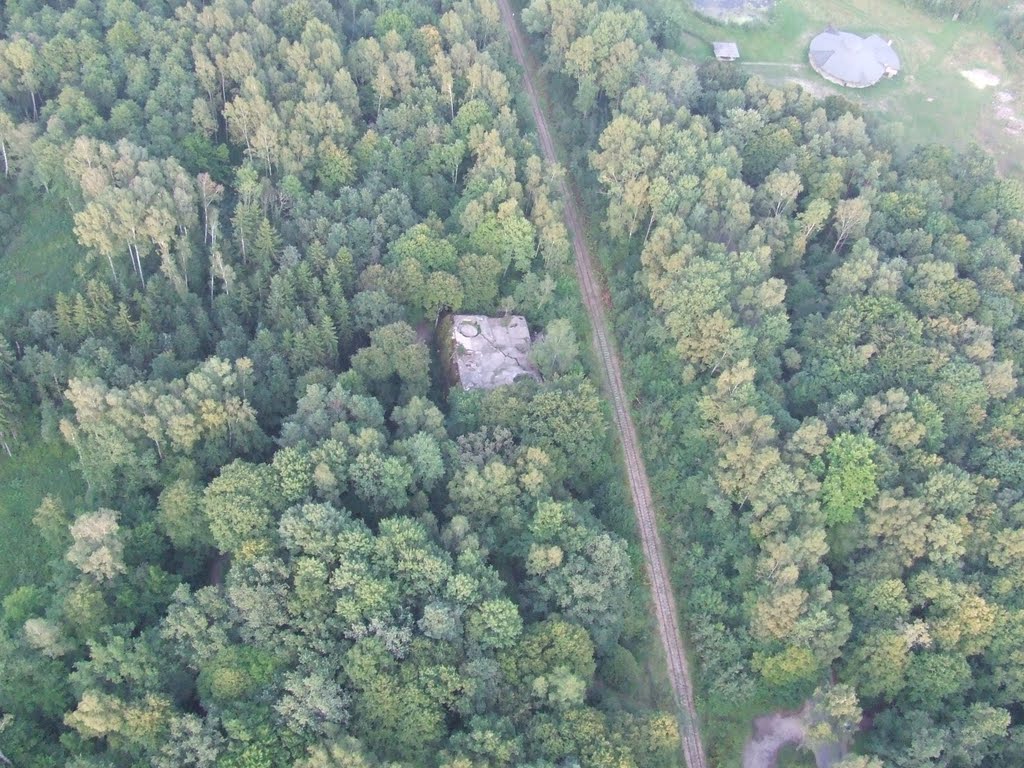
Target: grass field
795 757
36 470
929 101
37 256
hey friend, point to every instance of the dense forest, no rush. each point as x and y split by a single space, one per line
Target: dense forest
823 333
298 547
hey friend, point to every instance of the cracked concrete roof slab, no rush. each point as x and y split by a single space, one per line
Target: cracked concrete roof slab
491 351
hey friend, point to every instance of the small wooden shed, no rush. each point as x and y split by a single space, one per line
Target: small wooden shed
726 51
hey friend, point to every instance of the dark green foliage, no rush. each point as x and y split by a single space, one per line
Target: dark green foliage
286 551
823 340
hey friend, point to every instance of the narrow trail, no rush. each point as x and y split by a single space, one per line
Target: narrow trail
657 572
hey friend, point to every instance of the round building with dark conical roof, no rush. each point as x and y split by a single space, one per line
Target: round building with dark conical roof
853 61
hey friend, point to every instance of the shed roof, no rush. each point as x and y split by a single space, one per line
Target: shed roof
491 351
852 60
727 50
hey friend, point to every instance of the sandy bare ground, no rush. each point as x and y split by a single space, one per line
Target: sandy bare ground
980 78
639 485
772 733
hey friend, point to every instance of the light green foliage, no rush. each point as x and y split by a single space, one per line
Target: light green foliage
568 424
589 587
419 415
335 413
423 245
96 549
51 519
780 275
850 480
315 558
442 292
239 504
837 715
125 434
424 455
383 482
181 516
294 468
495 625
557 351
345 754
235 673
133 204
394 352
507 238
479 276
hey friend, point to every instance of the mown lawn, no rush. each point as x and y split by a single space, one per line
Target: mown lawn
37 469
38 253
929 101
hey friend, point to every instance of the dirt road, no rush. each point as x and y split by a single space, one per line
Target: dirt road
657 573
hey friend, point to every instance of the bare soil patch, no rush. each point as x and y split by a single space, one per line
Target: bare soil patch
771 734
1008 113
981 78
775 731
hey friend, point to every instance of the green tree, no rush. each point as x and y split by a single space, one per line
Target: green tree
96 548
850 480
239 504
556 352
181 516
394 352
495 625
509 238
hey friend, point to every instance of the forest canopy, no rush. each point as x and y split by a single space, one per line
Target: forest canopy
295 546
824 334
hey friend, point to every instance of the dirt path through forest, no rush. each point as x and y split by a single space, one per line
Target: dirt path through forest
657 572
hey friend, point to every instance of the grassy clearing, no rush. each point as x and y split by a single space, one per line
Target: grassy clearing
929 101
37 255
795 757
36 470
